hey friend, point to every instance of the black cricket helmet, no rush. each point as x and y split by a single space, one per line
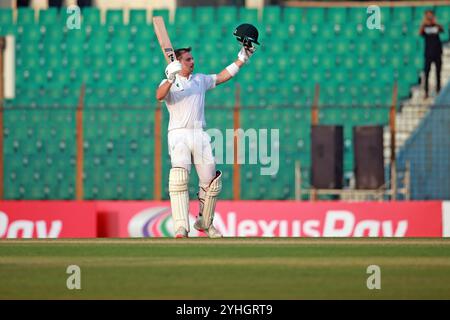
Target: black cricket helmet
247 34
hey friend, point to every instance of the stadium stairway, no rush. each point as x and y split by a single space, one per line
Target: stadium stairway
426 151
415 109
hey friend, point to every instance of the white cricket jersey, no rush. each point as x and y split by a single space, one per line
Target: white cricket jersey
186 105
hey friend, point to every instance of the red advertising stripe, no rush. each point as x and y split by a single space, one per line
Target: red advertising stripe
330 219
130 218
48 219
65 219
285 218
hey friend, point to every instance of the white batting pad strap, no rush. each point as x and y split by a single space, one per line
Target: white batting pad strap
232 69
210 200
179 197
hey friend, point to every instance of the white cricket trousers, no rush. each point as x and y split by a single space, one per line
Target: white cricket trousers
192 146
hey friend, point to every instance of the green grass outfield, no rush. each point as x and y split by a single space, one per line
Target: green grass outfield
234 268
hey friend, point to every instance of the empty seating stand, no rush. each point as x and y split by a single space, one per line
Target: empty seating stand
121 64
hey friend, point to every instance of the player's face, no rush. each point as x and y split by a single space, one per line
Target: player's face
187 62
430 16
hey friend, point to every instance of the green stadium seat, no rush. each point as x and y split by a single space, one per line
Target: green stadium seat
120 60
6 16
348 31
49 17
7 29
443 13
212 35
387 15
271 15
25 16
100 33
114 17
205 16
72 37
337 15
418 62
184 16
394 31
96 47
409 47
227 15
52 36
138 17
362 47
399 62
357 14
163 13
293 15
143 34
445 35
341 47
402 14
122 32
248 15
315 15
91 16
30 35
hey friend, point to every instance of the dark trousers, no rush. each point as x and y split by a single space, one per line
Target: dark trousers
438 64
58 3
23 3
55 3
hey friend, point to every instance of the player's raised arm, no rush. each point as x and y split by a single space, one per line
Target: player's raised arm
247 34
230 71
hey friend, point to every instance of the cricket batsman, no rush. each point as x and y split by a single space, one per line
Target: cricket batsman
184 94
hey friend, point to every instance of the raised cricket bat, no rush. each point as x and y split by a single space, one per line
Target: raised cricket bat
163 39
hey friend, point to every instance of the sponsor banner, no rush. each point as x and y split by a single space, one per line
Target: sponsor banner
280 219
47 219
139 218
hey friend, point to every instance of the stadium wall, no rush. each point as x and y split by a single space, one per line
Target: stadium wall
90 219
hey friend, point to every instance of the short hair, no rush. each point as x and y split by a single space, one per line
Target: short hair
429 11
180 51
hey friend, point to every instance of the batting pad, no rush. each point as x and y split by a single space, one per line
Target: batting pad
179 197
210 200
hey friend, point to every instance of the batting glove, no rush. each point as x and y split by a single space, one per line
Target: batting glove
245 53
172 69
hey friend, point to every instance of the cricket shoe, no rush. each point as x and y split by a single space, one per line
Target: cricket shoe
211 232
181 233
